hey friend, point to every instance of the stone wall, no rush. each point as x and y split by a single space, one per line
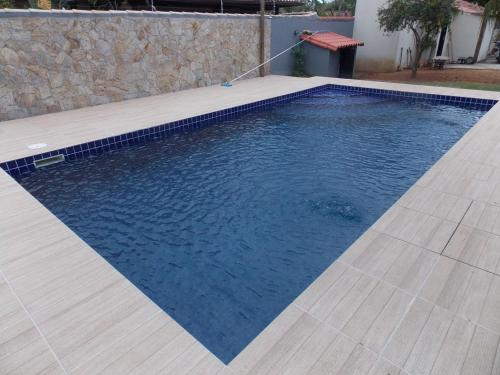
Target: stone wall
59 60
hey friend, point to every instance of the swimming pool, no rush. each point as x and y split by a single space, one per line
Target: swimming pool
225 226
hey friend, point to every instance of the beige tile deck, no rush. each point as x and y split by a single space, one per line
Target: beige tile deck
418 293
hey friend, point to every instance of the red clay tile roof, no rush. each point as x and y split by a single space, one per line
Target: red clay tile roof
330 40
470 8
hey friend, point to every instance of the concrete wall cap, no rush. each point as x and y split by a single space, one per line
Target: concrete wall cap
7 12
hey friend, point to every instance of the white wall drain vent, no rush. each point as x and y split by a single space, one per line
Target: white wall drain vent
36 146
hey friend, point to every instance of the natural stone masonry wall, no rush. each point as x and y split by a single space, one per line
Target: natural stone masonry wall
59 60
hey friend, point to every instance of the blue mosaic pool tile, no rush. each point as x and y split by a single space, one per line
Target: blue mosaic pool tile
100 146
473 103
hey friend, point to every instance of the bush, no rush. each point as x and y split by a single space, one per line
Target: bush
298 54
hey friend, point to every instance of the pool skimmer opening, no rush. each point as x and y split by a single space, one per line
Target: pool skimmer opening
49 161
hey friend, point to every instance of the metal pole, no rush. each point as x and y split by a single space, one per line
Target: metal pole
262 26
271 59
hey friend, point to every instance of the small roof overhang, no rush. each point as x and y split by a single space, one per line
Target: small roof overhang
470 8
330 40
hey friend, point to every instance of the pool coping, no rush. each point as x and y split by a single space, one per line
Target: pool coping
29 271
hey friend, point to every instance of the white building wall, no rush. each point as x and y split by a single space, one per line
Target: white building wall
388 52
380 52
488 38
463 34
405 49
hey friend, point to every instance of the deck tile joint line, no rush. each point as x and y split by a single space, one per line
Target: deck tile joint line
444 339
339 332
321 294
292 326
121 338
408 308
423 298
468 349
456 228
496 356
476 324
484 230
177 356
470 265
380 355
340 300
426 249
56 357
379 279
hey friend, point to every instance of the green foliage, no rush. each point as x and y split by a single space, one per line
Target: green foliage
336 7
299 68
324 8
101 4
492 9
481 2
5 4
424 18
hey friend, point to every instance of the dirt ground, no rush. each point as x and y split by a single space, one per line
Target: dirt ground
432 75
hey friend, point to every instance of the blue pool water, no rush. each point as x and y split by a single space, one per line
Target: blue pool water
225 226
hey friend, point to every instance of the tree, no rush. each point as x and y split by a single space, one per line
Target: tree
324 7
330 8
424 18
299 66
491 11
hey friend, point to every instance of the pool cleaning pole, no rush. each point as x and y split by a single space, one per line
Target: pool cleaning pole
229 84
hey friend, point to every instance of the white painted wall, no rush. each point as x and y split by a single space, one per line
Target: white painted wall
406 43
464 33
380 50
